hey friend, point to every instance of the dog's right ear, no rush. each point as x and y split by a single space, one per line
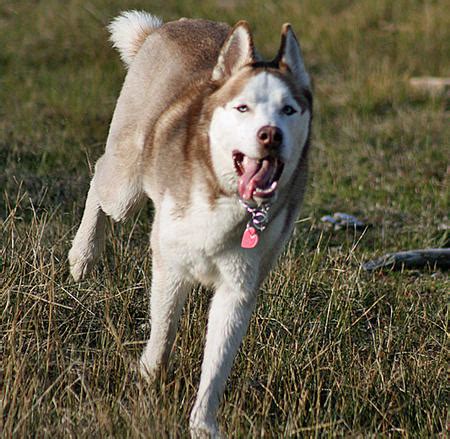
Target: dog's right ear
237 51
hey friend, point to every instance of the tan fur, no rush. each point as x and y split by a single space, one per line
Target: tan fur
181 47
167 142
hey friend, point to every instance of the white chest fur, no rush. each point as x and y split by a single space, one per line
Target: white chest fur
203 241
197 235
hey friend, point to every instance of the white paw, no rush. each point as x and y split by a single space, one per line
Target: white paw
204 429
205 432
81 263
149 371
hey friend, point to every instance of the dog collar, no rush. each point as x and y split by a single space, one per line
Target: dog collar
257 223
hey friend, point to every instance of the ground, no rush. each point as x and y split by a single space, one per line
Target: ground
331 350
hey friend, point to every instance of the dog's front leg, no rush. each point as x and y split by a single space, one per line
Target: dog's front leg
168 294
229 315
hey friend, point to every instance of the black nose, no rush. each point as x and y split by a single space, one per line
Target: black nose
270 137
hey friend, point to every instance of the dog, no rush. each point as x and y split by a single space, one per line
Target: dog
218 139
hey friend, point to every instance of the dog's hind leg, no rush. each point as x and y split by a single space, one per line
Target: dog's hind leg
89 239
115 192
168 294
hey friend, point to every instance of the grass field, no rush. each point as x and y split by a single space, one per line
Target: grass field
331 350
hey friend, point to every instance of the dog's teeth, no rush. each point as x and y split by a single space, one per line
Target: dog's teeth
269 189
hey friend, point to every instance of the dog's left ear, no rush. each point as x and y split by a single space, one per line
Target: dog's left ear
290 55
237 51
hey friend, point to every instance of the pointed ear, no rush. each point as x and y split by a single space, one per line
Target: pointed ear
237 51
291 56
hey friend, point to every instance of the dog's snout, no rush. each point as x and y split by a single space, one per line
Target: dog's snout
270 136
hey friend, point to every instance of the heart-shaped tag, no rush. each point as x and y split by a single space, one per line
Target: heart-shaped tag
250 238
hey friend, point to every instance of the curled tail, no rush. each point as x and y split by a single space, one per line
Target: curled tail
129 31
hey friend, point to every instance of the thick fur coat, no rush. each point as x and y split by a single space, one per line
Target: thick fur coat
210 133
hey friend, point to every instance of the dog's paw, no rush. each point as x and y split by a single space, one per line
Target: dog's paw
149 371
80 264
205 431
203 428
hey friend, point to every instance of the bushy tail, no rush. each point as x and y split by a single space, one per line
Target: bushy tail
129 31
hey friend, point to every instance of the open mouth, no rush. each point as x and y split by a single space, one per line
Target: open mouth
258 178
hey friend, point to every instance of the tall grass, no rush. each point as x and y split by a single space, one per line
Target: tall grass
331 350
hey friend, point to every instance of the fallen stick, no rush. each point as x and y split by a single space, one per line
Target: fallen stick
431 85
430 257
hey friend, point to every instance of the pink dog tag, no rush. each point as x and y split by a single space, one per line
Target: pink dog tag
250 238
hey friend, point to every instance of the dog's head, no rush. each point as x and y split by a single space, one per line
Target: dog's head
261 114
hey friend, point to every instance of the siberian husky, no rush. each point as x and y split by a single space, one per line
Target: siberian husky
218 139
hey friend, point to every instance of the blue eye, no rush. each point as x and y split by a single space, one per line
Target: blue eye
288 110
242 108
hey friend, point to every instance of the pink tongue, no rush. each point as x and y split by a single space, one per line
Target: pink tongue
255 175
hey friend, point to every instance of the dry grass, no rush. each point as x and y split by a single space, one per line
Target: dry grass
331 350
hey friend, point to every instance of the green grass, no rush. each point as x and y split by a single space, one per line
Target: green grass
331 350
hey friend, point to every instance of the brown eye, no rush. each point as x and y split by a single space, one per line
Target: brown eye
288 110
242 108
